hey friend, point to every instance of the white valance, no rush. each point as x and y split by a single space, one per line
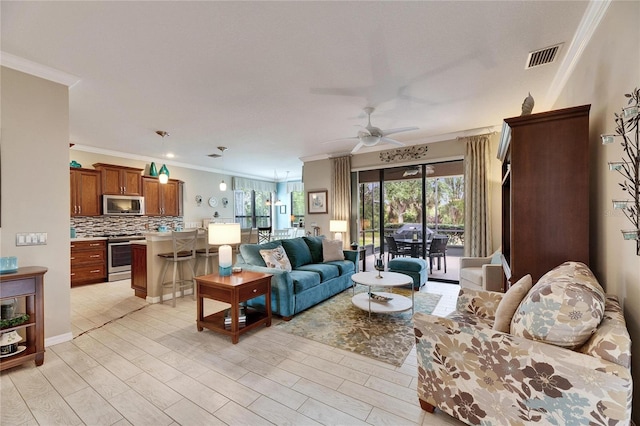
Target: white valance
243 184
295 187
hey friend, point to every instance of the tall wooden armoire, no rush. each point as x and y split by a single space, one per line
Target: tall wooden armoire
545 191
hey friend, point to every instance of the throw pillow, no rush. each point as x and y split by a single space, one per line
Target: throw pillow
298 252
332 250
315 246
496 258
564 308
276 258
510 302
251 252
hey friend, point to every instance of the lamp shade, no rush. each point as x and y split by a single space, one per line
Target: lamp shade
338 226
224 233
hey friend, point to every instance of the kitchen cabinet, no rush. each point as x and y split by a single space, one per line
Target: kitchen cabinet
88 262
162 199
27 286
85 192
545 191
139 269
120 180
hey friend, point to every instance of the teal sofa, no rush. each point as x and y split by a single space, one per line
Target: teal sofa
308 283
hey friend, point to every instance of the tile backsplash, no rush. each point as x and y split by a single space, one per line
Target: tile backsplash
93 226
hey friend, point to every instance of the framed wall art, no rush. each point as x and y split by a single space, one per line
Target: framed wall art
317 202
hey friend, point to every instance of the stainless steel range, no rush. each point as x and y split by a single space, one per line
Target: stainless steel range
119 256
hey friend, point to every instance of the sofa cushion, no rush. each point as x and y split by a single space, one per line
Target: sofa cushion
297 251
315 246
345 266
304 280
251 252
472 274
332 250
510 302
564 308
496 258
276 258
326 271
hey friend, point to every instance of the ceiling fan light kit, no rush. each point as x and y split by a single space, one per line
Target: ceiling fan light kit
371 136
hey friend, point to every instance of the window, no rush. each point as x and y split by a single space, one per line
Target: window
251 210
297 207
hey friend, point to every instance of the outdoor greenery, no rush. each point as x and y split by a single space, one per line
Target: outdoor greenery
403 204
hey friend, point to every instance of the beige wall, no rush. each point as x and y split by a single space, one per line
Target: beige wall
196 182
609 68
317 176
35 186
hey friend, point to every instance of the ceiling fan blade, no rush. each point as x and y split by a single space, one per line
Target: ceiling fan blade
398 130
357 147
392 142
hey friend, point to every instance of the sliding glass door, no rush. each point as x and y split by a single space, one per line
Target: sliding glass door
412 203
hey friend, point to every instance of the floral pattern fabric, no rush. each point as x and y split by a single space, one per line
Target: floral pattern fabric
483 376
563 308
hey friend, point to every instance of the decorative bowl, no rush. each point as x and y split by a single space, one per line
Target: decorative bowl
8 264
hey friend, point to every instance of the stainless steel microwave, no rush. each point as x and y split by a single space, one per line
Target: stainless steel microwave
123 205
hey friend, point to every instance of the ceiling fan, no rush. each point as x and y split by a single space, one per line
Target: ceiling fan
371 136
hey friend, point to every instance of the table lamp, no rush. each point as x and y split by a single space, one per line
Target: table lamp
224 234
338 227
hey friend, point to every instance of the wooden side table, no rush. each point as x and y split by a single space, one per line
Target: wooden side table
28 284
234 289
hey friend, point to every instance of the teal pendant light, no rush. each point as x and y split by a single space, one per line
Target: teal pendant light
153 171
164 174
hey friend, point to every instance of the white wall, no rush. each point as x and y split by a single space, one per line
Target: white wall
609 68
35 186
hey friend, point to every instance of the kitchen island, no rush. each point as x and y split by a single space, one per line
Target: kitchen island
146 265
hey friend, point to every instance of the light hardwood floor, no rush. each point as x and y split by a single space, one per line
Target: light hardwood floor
140 364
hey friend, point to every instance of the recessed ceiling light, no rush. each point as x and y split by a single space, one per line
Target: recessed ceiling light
170 155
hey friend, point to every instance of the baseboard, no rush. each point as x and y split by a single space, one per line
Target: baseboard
60 338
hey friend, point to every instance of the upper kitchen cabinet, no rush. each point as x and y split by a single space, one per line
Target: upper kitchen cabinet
120 180
85 192
162 199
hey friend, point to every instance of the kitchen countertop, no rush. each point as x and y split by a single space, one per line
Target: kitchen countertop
162 236
88 239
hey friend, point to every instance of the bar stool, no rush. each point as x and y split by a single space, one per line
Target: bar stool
184 245
207 254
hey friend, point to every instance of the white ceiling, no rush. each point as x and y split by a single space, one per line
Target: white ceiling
277 81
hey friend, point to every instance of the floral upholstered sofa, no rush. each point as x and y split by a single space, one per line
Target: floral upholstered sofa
555 353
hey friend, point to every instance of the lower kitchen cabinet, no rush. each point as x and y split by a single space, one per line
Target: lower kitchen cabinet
88 262
139 269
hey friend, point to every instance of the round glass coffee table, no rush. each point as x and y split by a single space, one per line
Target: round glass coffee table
396 302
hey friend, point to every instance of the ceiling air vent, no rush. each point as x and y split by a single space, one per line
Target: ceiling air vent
214 155
543 56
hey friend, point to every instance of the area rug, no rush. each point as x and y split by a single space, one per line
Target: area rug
336 322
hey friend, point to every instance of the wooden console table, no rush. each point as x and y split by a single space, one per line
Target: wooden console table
234 289
27 283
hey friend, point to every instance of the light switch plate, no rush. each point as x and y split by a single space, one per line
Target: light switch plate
31 238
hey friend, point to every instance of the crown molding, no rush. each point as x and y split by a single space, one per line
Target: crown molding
102 151
33 68
588 25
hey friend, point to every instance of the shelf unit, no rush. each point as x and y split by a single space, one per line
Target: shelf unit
28 284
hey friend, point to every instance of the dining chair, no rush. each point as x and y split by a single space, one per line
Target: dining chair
394 250
264 234
438 249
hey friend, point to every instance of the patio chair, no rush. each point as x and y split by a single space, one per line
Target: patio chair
438 249
394 250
